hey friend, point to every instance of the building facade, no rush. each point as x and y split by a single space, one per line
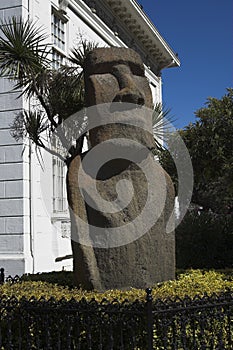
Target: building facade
34 219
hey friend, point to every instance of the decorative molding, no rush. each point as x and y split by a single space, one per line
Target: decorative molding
127 18
82 10
63 4
65 229
60 216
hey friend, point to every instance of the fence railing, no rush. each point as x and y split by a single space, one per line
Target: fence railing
178 324
2 276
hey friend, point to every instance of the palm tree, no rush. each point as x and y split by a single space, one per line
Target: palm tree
56 94
162 125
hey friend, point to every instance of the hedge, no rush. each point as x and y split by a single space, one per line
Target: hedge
190 283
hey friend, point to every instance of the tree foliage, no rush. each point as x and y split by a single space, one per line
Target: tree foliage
25 58
210 144
205 240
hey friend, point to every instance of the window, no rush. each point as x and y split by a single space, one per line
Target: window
58 31
59 190
57 59
58 25
59 180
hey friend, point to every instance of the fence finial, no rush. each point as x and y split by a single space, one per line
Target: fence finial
149 294
149 316
2 276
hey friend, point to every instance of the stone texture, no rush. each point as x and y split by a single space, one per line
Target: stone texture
15 225
7 117
6 139
11 207
8 4
86 272
15 189
121 241
2 189
15 242
7 98
9 12
14 265
10 153
116 75
11 171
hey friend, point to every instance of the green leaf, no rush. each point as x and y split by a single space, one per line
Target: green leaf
23 52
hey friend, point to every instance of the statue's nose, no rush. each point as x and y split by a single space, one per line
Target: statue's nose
129 91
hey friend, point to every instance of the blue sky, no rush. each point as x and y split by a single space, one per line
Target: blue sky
201 32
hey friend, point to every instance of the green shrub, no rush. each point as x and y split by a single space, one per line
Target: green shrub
190 283
204 241
62 278
37 324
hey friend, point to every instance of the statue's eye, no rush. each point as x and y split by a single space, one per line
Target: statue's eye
137 69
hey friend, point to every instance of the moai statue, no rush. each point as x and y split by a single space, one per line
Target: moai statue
121 200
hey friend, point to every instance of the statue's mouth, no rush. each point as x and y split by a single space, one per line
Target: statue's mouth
123 106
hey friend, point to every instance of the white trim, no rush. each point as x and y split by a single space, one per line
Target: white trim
100 28
130 13
13 256
95 23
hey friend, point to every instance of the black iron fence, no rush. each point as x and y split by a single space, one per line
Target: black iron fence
2 276
189 324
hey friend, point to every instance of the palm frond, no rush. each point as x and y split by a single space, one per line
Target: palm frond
23 52
31 123
34 85
65 94
18 131
161 124
79 53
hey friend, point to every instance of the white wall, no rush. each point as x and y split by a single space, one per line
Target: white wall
48 241
14 182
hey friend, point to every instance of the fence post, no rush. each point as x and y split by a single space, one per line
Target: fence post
149 317
2 276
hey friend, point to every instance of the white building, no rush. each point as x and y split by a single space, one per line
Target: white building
34 223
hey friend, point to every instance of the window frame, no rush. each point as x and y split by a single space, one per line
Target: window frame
59 170
59 44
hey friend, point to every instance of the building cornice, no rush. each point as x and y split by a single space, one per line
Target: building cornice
131 13
88 15
127 16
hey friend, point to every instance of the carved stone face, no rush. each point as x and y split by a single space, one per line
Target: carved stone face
116 75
